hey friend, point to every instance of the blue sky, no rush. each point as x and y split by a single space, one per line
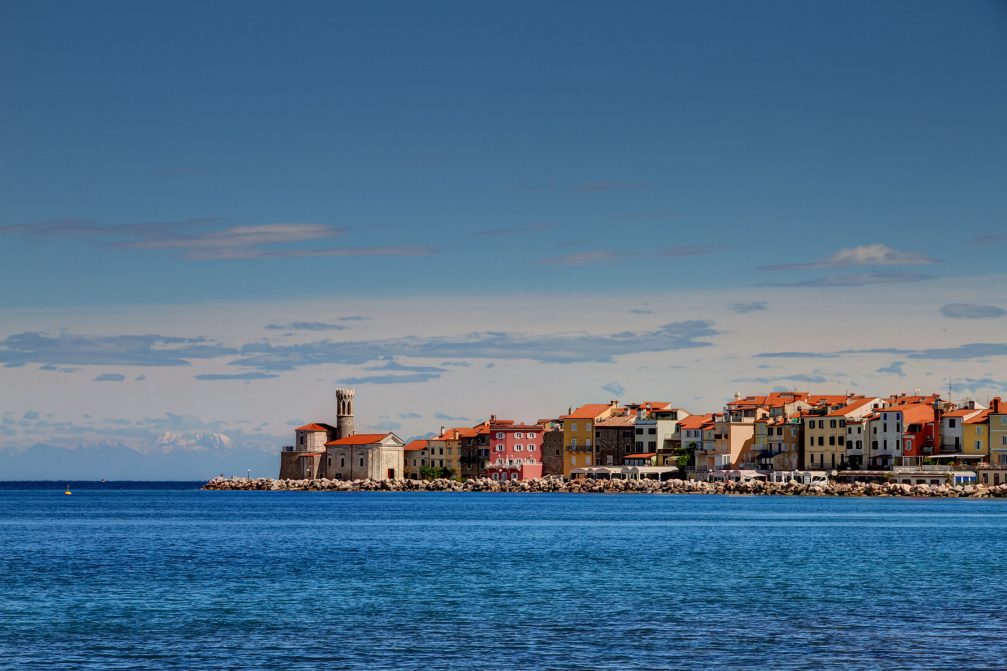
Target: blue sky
300 163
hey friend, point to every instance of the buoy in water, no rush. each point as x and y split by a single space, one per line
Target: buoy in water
67 492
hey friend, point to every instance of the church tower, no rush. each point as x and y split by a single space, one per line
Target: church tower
344 411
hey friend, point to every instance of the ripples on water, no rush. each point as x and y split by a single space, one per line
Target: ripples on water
294 580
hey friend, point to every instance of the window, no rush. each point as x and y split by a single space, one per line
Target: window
909 445
500 435
573 426
500 447
639 432
531 448
513 476
587 442
342 462
652 432
530 460
531 435
842 440
951 423
832 440
519 448
361 462
573 442
832 423
496 476
979 445
639 444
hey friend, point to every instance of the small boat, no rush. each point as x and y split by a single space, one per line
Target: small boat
67 492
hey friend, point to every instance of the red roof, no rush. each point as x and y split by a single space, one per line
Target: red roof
360 439
694 421
917 413
852 407
642 455
589 411
315 427
416 445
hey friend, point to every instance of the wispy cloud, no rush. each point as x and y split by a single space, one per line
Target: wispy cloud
687 250
209 238
973 385
799 377
306 326
745 308
645 216
386 425
641 311
959 353
410 415
556 348
123 350
449 418
512 230
598 187
971 311
587 258
991 238
861 279
110 377
390 379
213 377
614 388
395 366
862 255
894 368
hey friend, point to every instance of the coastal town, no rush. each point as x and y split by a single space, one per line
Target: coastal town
777 437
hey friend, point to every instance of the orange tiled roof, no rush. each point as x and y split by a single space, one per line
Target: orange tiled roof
416 445
315 427
695 421
589 411
642 455
916 413
981 418
851 407
360 439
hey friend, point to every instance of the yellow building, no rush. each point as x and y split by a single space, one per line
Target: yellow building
825 435
446 452
998 432
579 443
975 437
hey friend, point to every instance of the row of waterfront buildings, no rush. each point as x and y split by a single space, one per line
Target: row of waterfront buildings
776 436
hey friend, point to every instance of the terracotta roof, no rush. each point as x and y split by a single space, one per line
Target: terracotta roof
642 455
851 407
981 418
315 427
963 412
694 421
589 411
360 439
617 421
916 413
416 445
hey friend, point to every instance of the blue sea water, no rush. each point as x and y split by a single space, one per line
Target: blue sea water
183 579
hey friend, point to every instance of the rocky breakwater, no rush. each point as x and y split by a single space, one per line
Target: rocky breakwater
558 485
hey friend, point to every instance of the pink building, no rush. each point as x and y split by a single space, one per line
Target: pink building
515 451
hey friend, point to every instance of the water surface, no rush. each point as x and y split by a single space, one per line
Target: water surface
161 579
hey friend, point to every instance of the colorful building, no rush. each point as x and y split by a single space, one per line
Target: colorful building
515 451
998 433
363 456
578 434
826 432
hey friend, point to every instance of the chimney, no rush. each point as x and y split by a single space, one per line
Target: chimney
442 432
614 404
995 405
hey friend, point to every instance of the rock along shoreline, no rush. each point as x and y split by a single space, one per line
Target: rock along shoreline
560 486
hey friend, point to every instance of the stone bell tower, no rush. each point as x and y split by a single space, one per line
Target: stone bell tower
344 411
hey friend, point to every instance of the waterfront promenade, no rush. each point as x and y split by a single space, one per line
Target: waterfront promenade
587 486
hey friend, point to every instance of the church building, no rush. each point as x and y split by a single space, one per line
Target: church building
337 452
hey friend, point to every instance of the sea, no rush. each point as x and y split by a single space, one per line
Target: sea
164 576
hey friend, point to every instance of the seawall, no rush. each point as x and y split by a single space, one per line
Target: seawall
558 485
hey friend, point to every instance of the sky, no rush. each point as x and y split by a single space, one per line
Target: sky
214 214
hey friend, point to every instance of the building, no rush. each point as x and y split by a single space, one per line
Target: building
414 456
614 439
826 433
578 434
899 434
552 446
304 459
365 456
515 451
998 433
975 438
445 452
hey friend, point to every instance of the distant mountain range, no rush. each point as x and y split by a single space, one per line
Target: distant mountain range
172 456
